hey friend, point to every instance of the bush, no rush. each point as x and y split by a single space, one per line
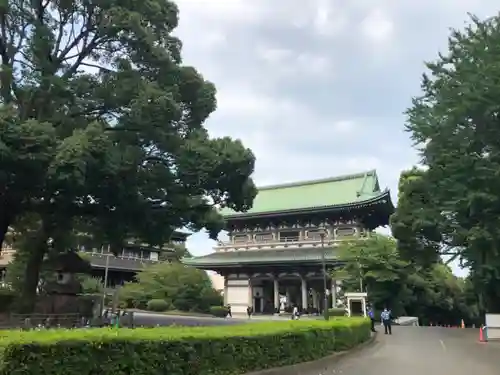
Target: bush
184 288
336 311
177 350
157 305
219 311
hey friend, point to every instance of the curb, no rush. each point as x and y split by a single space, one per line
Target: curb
317 365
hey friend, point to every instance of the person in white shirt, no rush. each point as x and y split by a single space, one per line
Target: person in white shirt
295 313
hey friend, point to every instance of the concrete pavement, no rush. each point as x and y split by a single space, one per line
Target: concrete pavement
421 351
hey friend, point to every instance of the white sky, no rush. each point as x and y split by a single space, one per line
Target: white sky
317 88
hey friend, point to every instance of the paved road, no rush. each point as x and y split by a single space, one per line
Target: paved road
152 320
422 351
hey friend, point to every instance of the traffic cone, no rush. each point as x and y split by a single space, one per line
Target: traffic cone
462 324
481 335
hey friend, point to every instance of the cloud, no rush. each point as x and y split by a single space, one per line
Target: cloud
317 88
377 27
287 62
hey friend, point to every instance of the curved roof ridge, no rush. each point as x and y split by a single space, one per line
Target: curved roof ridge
350 176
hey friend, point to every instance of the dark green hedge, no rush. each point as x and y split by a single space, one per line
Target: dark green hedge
336 311
219 311
177 350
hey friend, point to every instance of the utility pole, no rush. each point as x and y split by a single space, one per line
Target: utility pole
106 270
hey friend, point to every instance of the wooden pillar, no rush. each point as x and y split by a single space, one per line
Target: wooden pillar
315 299
334 293
303 289
225 290
250 293
276 294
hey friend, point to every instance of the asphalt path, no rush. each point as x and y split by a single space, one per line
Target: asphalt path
147 319
421 351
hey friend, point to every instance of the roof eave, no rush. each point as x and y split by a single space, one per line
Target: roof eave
256 263
340 207
180 235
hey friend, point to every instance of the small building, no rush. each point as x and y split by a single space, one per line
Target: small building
121 267
280 252
132 259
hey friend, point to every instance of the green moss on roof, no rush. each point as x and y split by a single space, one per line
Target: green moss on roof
335 191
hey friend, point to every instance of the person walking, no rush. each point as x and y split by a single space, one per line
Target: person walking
229 311
371 315
386 321
249 311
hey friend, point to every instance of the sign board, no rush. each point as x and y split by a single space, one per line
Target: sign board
493 324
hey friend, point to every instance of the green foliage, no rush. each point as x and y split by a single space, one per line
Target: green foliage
91 285
183 350
118 150
416 223
219 311
376 263
455 122
179 252
183 288
16 269
433 293
337 311
157 305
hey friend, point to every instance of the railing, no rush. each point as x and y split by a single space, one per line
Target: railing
122 257
29 321
283 243
118 262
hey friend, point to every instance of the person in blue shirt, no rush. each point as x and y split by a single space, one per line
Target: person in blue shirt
386 321
371 315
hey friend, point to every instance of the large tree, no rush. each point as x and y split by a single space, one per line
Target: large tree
432 293
102 126
456 122
373 265
416 224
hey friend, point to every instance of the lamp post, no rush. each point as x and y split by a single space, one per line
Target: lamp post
106 271
360 267
322 234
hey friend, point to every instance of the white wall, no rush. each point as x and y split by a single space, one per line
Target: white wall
238 295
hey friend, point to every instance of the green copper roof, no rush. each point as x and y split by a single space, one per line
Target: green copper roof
336 191
256 257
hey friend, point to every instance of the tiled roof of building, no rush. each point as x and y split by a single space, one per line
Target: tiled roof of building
338 191
249 257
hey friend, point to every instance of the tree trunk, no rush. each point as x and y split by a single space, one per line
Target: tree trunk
32 273
4 227
6 218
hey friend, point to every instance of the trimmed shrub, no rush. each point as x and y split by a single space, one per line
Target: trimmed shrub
336 311
219 311
177 350
157 305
